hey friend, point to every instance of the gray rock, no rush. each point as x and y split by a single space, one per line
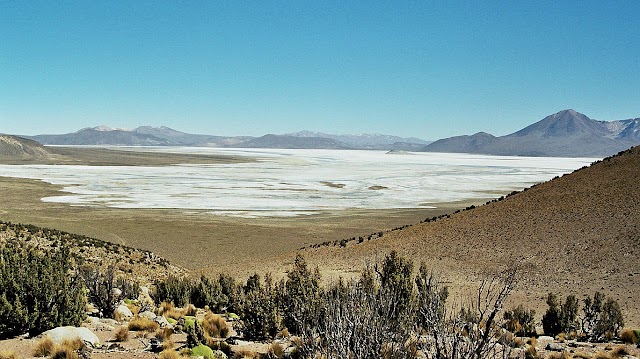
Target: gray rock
219 354
556 347
122 311
148 314
60 334
164 323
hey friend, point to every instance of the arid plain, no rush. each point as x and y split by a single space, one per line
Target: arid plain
573 235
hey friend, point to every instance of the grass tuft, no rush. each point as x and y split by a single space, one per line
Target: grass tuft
8 355
215 325
122 334
628 336
43 348
139 324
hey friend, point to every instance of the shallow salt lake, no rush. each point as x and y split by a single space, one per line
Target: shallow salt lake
297 182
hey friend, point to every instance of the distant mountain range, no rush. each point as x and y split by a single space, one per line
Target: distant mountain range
165 136
567 133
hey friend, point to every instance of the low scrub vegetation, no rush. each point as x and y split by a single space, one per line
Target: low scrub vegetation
601 318
38 291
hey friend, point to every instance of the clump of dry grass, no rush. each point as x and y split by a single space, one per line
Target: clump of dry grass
562 355
531 353
581 355
215 326
146 324
245 354
532 341
620 351
43 348
628 336
8 355
601 355
68 349
190 310
276 350
122 334
168 344
165 307
164 333
169 354
561 337
169 311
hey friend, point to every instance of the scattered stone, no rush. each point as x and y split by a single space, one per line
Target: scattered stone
556 347
104 327
122 311
219 354
148 314
163 322
60 334
545 338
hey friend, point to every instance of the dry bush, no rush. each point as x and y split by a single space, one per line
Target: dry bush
169 354
245 354
601 355
43 348
276 350
139 323
620 351
628 336
532 341
122 334
134 308
561 337
215 326
581 355
284 333
169 311
190 310
165 307
8 355
563 355
531 353
68 349
61 352
164 333
168 344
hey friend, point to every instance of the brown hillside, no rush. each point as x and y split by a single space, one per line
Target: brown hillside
575 234
17 148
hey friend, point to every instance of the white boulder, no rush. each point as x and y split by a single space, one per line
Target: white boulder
60 334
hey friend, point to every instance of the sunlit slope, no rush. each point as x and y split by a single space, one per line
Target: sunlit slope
574 234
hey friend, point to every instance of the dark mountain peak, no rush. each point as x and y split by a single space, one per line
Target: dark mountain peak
566 123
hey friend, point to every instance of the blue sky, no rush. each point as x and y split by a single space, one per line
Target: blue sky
428 69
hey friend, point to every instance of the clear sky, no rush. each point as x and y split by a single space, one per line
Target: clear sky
428 69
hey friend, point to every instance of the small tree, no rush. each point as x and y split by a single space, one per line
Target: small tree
551 319
38 290
520 321
602 319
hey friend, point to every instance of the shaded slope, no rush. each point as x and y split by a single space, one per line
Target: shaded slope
574 234
17 148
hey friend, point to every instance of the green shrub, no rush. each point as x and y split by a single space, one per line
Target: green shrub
520 321
260 314
560 318
38 290
602 319
174 290
101 284
301 297
202 350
